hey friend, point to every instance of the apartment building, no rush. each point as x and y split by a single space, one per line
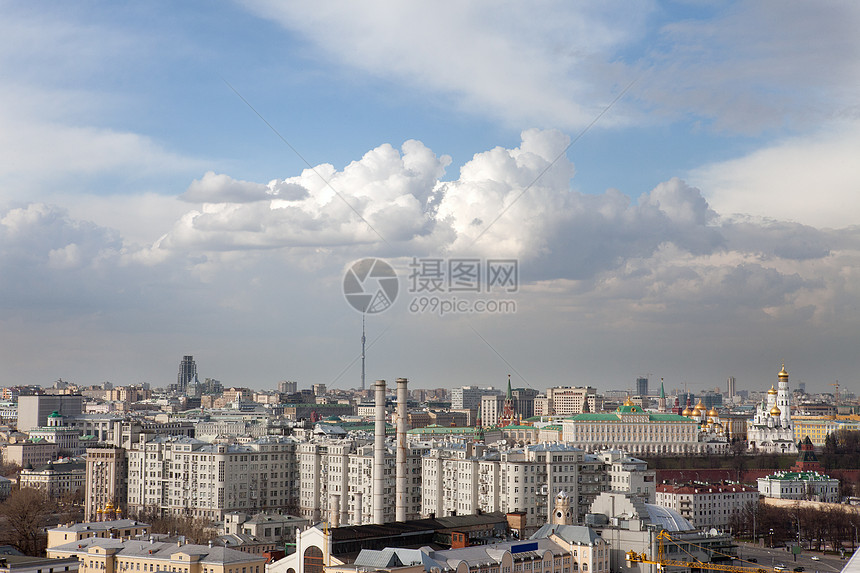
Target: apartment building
184 476
463 478
106 480
707 506
336 481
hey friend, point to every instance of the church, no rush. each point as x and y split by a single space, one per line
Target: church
770 431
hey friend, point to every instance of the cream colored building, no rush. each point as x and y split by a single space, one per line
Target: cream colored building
184 476
118 528
97 554
633 429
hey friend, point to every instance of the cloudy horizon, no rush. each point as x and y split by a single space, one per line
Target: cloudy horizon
164 195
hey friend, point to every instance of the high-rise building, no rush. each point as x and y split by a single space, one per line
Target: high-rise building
730 387
288 387
106 471
187 374
641 387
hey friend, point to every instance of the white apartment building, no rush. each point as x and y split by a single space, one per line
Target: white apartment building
460 479
336 481
706 506
184 476
628 474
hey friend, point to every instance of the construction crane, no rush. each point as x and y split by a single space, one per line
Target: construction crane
836 401
662 562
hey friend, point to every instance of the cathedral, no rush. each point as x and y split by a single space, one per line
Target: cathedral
770 431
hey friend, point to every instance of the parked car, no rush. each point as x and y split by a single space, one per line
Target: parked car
815 558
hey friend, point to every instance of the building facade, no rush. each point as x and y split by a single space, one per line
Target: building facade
800 485
106 480
184 476
636 431
707 506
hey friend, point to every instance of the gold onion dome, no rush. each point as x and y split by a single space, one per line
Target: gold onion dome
628 401
772 390
783 373
775 411
700 407
687 412
712 413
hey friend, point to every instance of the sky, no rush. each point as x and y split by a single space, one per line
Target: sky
672 188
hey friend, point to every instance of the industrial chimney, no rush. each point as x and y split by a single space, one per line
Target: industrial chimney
379 455
401 479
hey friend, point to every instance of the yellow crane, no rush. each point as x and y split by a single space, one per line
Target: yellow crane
662 562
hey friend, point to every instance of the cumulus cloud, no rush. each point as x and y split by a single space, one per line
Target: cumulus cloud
811 179
220 188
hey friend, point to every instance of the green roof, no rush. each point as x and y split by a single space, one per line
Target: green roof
444 430
617 417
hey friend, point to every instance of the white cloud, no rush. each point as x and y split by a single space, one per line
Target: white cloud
811 179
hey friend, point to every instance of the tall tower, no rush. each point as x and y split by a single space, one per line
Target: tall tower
782 397
187 374
508 411
362 352
661 404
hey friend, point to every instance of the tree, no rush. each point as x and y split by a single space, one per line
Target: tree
24 515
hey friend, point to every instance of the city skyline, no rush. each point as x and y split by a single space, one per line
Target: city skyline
675 181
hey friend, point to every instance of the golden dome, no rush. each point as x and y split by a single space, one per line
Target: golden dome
687 412
712 413
109 505
783 373
700 407
628 401
772 390
775 411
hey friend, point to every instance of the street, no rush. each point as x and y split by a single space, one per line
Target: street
768 558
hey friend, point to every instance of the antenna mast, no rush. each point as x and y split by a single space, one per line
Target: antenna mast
362 352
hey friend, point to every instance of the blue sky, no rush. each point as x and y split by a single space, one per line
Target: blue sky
704 226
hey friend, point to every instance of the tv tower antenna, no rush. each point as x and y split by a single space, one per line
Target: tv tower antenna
362 352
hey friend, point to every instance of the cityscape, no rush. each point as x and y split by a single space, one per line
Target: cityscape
429 287
297 479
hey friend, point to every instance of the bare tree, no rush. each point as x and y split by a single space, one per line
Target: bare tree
24 515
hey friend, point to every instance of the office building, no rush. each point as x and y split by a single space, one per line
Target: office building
641 387
469 397
187 374
33 411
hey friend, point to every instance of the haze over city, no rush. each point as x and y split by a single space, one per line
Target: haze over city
677 183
